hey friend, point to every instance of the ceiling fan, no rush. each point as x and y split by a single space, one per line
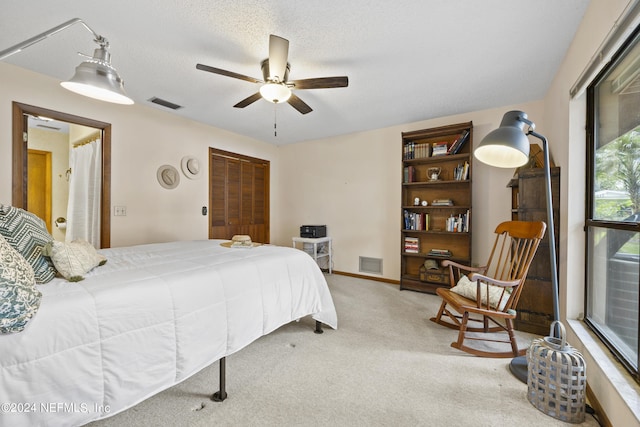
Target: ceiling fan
276 86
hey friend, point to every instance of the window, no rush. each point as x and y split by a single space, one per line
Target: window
613 198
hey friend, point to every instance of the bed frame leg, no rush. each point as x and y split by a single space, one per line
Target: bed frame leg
318 329
221 394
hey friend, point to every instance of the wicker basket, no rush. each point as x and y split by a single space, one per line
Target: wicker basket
557 377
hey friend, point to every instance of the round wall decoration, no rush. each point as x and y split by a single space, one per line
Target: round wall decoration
191 167
168 176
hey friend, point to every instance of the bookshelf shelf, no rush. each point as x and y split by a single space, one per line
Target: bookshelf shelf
429 183
446 226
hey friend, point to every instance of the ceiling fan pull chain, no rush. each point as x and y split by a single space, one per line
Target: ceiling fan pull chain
275 119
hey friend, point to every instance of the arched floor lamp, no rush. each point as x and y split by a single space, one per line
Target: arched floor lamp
95 77
508 147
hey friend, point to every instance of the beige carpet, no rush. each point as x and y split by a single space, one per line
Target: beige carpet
386 365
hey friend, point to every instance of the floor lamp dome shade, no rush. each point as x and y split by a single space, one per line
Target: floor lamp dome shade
507 146
96 78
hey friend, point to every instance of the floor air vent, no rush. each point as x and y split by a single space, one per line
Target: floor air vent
370 265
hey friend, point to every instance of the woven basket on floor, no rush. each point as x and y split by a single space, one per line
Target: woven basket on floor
557 377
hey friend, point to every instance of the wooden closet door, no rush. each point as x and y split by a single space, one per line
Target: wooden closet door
253 189
239 194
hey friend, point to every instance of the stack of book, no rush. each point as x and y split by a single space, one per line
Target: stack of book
440 252
412 245
442 202
439 149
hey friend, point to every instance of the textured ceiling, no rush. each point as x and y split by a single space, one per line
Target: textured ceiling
406 60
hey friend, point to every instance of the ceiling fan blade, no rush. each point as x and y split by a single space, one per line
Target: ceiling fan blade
299 104
321 83
227 73
248 100
278 54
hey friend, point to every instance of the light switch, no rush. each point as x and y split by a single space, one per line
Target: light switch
119 211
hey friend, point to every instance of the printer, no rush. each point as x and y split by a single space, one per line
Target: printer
313 231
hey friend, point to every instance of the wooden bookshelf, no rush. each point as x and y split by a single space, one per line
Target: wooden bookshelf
426 178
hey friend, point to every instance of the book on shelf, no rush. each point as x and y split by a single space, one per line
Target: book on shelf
412 245
459 143
461 172
458 223
439 149
416 221
442 202
409 174
440 252
416 150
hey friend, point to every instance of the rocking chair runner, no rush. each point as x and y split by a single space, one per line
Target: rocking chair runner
497 287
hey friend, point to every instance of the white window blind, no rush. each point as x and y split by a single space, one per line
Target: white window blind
622 28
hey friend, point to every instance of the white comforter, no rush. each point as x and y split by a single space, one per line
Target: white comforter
151 317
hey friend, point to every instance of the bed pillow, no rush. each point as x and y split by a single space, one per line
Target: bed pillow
27 234
469 289
19 297
73 259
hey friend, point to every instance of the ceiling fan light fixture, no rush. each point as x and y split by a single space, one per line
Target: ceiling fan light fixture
97 79
275 92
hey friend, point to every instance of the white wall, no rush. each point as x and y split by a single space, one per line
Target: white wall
352 183
143 138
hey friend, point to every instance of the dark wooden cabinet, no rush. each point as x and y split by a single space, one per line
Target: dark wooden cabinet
529 203
430 227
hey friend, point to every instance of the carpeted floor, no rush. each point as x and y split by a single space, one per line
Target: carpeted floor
386 365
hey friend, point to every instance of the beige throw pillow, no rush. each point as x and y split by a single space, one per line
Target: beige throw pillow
73 259
469 289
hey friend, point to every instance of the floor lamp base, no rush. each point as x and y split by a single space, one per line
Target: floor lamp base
519 368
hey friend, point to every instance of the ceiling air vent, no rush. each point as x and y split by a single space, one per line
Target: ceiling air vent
48 127
165 103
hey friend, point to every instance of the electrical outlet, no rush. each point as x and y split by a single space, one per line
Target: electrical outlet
119 211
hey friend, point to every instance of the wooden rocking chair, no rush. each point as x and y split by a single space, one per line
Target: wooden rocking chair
490 294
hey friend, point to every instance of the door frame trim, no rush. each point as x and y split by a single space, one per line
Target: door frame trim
19 160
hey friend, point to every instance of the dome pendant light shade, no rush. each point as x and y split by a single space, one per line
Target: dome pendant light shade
275 92
96 78
507 146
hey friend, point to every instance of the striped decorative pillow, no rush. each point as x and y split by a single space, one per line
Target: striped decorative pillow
27 234
19 297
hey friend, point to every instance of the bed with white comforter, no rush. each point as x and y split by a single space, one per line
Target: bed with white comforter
152 316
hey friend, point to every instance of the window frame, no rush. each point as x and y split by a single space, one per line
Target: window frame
590 222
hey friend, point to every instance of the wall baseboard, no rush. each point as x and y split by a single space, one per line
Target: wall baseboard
362 276
600 415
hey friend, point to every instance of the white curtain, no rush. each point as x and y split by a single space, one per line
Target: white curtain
83 210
